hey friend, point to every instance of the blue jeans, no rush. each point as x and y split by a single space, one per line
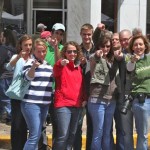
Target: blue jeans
66 119
4 99
102 117
141 113
35 116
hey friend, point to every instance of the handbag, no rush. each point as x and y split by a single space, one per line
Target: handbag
18 88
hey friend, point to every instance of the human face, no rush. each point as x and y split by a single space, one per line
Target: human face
139 47
115 40
58 34
125 38
40 51
71 53
106 48
86 35
26 46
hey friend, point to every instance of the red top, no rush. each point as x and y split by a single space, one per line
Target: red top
68 85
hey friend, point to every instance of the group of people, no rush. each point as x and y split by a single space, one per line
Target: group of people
105 77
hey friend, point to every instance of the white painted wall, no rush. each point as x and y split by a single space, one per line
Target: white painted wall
131 14
79 13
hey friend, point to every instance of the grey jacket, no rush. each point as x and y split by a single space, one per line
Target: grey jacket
105 79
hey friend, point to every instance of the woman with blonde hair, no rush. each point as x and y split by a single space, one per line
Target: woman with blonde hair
35 103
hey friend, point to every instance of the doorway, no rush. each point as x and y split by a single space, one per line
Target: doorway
48 18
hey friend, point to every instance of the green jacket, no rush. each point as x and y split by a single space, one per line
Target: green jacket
141 80
105 80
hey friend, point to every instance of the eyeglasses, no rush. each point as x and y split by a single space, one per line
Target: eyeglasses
71 51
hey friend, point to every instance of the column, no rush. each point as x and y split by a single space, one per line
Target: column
81 12
131 14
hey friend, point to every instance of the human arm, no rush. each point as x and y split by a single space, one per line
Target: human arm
54 43
12 63
59 66
131 63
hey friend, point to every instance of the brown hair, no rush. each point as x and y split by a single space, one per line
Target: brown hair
39 41
87 26
79 52
24 37
145 40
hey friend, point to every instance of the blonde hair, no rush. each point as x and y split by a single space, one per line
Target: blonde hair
39 41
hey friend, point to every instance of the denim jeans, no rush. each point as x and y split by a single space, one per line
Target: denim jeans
18 126
102 117
5 105
141 113
124 129
35 116
67 121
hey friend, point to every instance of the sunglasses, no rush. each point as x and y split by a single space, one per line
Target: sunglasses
107 46
71 51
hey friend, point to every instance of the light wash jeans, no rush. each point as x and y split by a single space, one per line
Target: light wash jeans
35 116
102 116
142 115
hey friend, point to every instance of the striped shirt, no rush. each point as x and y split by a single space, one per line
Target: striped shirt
40 88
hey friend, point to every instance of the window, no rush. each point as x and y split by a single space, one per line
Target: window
109 14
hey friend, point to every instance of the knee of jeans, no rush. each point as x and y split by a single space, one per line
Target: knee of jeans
62 137
98 133
34 138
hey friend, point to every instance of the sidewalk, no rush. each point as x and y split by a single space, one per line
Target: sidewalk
5 136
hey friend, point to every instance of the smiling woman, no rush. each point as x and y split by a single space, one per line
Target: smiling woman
69 95
139 67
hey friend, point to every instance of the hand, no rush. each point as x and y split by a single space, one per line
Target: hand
84 103
22 54
64 62
135 58
118 54
54 42
99 53
83 60
101 26
35 64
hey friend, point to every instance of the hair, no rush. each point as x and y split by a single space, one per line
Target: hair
110 55
11 39
24 37
145 40
123 31
100 36
136 31
87 26
39 41
79 51
148 37
115 34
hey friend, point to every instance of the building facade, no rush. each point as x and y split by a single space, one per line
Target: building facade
116 14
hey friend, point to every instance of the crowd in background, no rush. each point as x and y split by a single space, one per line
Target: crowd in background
105 77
